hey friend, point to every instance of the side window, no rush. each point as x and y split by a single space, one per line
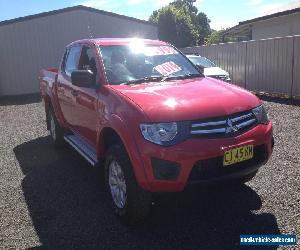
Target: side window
87 61
72 60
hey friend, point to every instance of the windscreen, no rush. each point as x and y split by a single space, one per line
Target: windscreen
202 61
128 63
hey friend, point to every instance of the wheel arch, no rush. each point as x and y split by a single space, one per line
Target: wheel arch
47 106
108 136
111 135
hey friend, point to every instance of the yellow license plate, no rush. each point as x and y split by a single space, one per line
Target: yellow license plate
236 155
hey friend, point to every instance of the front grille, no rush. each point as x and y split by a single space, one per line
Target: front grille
224 126
213 168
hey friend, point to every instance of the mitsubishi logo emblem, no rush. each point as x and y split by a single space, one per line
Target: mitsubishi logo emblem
230 128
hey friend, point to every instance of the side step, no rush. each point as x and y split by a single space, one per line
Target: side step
82 148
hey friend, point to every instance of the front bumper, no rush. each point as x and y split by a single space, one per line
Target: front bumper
192 153
213 171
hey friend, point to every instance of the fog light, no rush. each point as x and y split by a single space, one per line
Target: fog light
165 170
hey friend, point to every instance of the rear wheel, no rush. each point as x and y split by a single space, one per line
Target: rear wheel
56 132
129 201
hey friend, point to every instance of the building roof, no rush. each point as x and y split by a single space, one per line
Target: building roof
78 7
243 24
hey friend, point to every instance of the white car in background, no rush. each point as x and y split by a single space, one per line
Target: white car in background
210 69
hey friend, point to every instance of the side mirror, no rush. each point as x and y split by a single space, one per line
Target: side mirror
83 78
200 68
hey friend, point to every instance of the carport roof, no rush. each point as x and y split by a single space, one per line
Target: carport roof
78 7
278 14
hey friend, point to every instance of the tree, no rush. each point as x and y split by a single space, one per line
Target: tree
201 23
175 26
216 37
188 4
181 24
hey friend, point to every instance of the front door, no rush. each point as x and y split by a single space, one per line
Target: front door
65 91
85 108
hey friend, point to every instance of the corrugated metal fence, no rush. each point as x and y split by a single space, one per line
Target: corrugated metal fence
270 65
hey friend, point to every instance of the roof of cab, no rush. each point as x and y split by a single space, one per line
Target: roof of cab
118 41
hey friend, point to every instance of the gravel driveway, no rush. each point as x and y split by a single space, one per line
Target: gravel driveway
56 200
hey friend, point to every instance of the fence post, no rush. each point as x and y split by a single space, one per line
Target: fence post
293 66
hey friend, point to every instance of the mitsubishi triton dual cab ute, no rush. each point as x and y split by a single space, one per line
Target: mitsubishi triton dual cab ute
142 111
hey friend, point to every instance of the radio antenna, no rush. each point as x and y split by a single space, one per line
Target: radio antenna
90 31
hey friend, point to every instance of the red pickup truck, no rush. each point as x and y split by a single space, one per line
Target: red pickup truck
142 111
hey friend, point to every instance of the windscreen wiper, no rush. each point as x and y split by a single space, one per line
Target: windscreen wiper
144 79
169 78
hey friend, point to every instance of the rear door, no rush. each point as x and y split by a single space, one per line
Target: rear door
65 91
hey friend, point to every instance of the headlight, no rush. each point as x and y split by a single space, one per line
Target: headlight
159 133
261 114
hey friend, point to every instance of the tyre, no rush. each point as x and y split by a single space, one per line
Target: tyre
129 201
56 132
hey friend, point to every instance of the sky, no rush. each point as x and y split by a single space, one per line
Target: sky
223 14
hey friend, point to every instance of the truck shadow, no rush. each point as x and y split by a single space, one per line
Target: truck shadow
20 99
69 209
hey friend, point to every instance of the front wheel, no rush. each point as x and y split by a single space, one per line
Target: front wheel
129 201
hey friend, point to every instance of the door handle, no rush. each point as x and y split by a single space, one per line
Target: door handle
60 91
74 92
